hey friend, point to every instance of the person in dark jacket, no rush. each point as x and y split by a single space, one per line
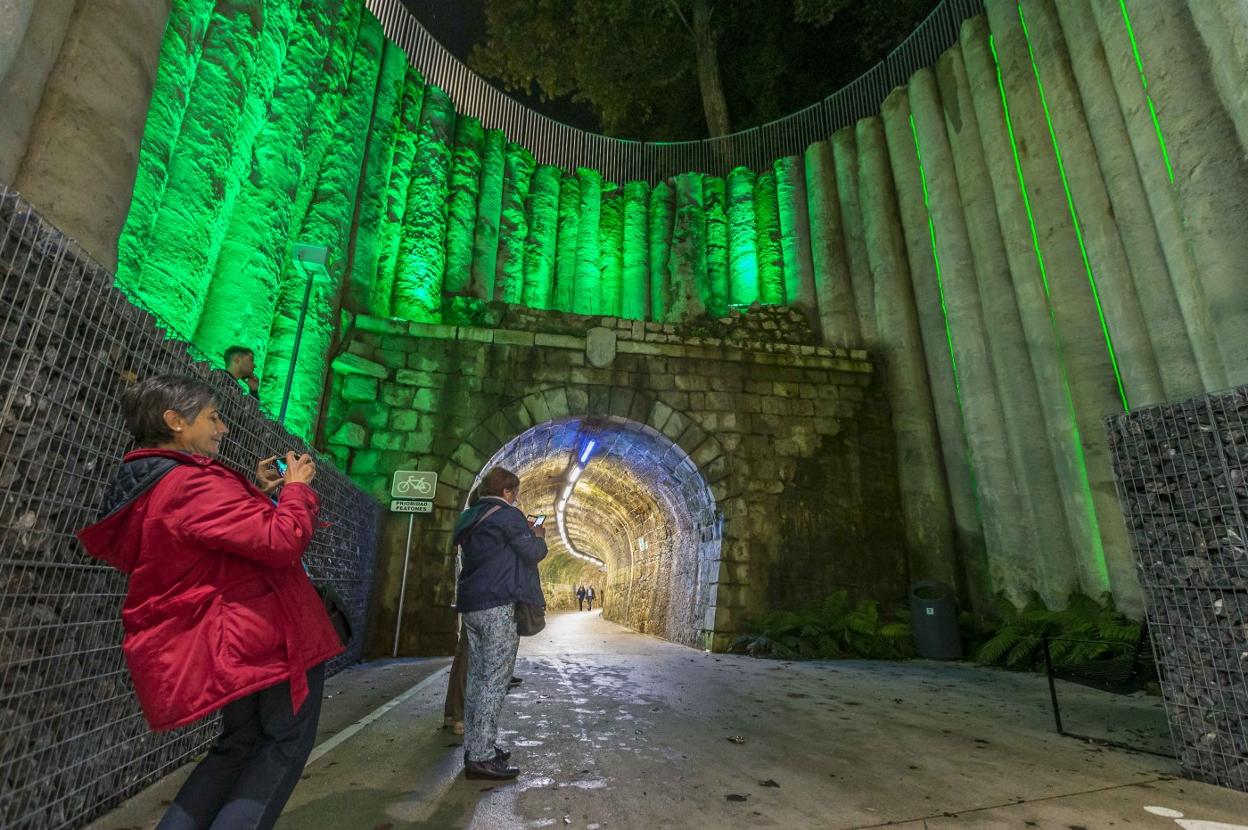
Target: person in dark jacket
589 597
500 552
219 613
580 597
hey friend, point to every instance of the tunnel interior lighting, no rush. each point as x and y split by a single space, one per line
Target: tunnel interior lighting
585 453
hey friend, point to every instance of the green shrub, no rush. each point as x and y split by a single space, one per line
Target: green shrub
1015 641
832 629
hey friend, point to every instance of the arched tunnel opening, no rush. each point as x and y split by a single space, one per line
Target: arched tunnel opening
628 513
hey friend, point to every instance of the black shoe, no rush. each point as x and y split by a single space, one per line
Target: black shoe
514 682
494 769
499 753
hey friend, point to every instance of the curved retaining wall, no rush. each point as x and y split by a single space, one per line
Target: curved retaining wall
1041 229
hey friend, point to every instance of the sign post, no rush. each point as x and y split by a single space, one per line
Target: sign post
411 492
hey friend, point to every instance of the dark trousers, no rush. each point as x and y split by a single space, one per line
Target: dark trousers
246 778
590 600
457 683
581 602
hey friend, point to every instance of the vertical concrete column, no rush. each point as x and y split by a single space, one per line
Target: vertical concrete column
1176 361
920 472
1005 339
1038 331
1223 25
14 21
971 535
833 289
1151 162
799 274
1093 219
1086 356
845 156
31 34
1009 529
1210 173
84 142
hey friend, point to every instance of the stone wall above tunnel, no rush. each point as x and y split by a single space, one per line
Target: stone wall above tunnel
794 442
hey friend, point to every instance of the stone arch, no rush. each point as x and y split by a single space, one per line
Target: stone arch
663 565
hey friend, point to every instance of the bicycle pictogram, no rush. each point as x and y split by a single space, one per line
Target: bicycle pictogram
414 484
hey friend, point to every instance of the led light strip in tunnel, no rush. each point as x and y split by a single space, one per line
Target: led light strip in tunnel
562 504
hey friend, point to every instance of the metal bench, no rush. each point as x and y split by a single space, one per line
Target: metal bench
1122 675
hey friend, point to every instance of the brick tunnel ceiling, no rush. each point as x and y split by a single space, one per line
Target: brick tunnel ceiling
639 499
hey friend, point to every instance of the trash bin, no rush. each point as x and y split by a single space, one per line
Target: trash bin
934 615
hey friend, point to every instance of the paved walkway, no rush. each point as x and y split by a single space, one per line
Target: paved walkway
618 730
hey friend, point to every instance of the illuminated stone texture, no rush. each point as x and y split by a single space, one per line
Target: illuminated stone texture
799 275
462 217
542 217
386 120
586 293
489 212
767 225
635 300
742 248
565 244
687 266
611 249
180 52
176 271
662 212
390 230
422 244
513 226
327 222
253 247
848 188
715 297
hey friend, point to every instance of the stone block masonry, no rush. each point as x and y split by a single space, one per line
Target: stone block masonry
794 441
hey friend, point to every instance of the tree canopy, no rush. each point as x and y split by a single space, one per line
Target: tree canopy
683 69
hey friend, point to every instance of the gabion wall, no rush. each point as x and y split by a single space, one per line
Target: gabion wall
1180 470
72 739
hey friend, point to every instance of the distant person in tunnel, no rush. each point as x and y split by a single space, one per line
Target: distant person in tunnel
580 597
589 597
219 613
500 551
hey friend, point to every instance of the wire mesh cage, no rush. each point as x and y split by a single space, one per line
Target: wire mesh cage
72 739
1180 471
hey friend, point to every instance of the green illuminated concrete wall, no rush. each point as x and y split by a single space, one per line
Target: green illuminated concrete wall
1041 230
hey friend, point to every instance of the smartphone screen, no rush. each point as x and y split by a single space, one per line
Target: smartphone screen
539 520
280 463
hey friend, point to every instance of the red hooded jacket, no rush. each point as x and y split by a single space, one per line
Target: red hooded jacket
219 605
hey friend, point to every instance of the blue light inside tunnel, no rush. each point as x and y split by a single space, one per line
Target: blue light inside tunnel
585 453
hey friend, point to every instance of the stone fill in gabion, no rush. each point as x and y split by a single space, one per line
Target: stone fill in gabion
1180 471
72 739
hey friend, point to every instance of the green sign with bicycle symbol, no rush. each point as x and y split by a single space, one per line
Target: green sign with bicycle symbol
413 484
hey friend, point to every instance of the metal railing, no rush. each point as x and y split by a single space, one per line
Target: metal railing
620 160
72 739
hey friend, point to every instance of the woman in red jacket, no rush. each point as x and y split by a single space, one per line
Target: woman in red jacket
220 613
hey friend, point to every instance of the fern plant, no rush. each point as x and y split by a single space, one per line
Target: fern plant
1017 643
834 628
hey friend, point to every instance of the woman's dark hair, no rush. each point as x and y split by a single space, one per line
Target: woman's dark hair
144 404
493 483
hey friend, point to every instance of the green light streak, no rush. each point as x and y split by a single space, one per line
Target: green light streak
1074 215
1076 442
940 283
1152 110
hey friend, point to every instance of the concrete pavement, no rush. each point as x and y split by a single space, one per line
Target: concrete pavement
617 730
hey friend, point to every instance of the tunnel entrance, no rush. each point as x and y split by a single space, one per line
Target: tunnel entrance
629 513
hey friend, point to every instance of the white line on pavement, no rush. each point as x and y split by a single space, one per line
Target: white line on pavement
326 746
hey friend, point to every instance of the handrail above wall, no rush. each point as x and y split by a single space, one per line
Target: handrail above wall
620 160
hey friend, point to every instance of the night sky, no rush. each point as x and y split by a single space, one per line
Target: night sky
458 24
